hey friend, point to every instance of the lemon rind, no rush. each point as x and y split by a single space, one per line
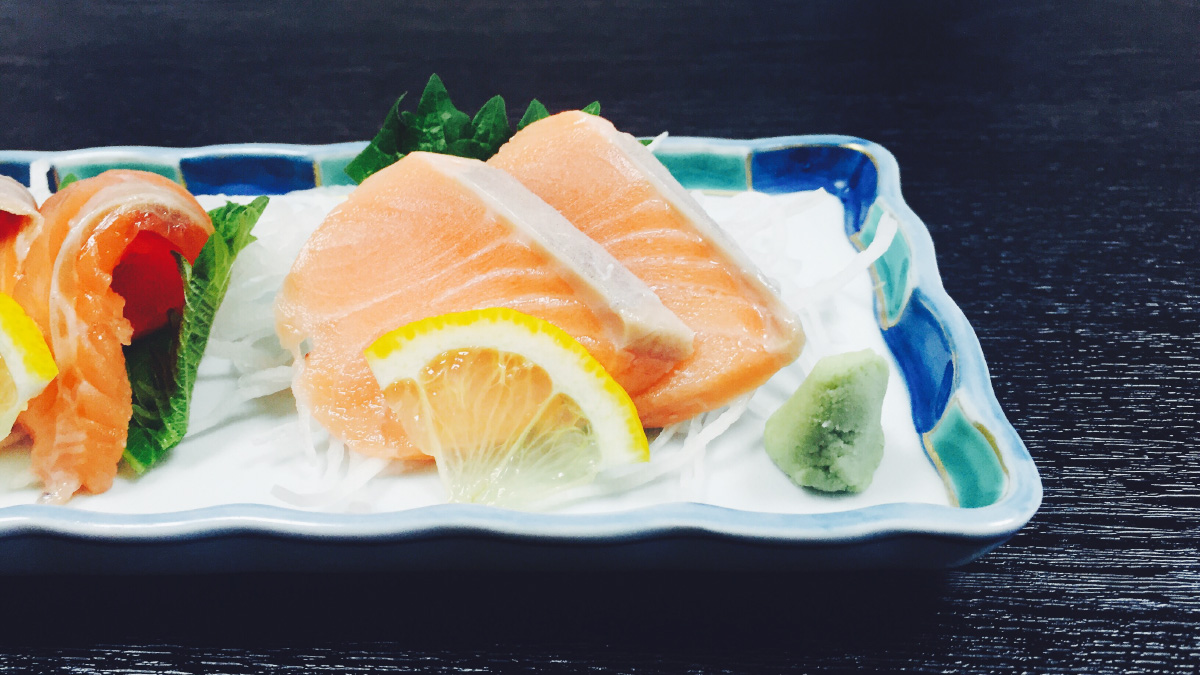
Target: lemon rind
27 360
21 341
401 353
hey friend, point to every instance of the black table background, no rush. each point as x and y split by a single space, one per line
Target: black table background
1053 151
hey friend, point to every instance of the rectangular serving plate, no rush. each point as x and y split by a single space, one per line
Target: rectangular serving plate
988 471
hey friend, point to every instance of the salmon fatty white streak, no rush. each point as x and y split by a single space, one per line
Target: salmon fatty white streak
434 234
80 421
619 194
19 222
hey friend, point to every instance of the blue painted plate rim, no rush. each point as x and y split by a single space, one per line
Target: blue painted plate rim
995 522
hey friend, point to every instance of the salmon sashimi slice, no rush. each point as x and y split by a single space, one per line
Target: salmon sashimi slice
615 191
19 222
79 423
434 234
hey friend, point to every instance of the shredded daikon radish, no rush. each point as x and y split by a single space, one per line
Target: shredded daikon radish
304 422
244 327
664 435
665 460
693 452
275 434
335 455
248 387
858 265
657 141
360 469
713 425
39 180
339 473
759 408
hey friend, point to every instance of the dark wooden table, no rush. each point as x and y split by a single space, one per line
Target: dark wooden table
1053 149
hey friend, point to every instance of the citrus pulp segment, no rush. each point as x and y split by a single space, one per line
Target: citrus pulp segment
26 366
511 407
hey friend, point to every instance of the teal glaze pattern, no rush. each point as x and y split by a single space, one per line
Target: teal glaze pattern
89 169
938 353
332 170
966 455
892 279
232 169
707 170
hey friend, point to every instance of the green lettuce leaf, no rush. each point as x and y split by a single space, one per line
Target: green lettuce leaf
162 366
438 126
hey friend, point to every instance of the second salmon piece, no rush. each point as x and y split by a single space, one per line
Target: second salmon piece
434 234
615 191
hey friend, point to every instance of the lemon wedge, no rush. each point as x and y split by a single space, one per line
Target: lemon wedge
26 366
512 408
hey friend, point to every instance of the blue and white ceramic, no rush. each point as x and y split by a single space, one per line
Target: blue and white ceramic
993 484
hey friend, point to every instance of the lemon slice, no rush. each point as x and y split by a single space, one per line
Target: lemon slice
512 408
26 366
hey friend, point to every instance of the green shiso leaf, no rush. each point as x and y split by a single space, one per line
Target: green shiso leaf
467 147
592 108
533 113
436 109
438 126
67 180
370 160
382 150
162 366
491 126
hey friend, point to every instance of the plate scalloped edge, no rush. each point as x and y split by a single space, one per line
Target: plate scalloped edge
953 409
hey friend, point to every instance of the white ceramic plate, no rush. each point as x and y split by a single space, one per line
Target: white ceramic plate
211 506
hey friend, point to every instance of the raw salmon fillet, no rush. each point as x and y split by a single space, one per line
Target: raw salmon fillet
80 421
615 191
19 221
433 234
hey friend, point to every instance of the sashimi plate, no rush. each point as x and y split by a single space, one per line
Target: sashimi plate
956 480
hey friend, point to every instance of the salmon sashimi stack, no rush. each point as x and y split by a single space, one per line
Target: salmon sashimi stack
19 221
434 234
101 236
618 193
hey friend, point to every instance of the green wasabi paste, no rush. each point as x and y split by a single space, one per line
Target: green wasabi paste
829 434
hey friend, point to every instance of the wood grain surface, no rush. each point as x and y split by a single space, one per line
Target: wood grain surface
1053 149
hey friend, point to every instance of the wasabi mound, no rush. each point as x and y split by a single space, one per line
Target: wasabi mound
829 434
